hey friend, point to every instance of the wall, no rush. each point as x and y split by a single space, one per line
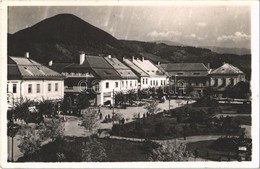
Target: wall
44 93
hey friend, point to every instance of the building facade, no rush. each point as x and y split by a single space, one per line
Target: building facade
143 77
225 76
183 75
129 80
31 80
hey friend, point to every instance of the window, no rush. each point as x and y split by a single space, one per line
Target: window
196 73
96 88
38 90
179 73
135 83
107 85
151 82
126 83
161 82
116 84
123 83
224 81
143 81
130 83
216 82
232 81
7 88
29 88
14 88
146 81
49 87
197 83
56 87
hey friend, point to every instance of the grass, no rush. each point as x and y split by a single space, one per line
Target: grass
208 153
116 151
222 149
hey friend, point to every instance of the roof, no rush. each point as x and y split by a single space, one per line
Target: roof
122 69
138 71
96 65
148 67
25 68
227 69
59 67
184 67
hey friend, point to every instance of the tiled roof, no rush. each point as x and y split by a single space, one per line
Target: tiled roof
227 69
184 67
59 67
135 68
122 69
148 67
25 68
96 65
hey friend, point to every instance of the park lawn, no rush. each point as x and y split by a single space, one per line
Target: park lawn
116 151
158 127
208 153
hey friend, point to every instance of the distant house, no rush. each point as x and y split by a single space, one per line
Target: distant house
156 77
225 76
143 77
94 76
32 80
187 74
129 78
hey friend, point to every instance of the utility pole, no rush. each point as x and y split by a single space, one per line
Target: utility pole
113 102
169 94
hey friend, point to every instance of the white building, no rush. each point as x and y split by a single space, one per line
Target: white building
157 78
31 80
129 79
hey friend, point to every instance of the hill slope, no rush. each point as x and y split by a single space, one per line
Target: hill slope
60 38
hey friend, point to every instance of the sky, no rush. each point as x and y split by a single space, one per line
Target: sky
224 26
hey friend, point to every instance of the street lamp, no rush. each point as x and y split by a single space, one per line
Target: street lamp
11 129
175 84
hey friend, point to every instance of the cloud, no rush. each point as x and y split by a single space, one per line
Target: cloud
165 34
193 36
201 24
236 37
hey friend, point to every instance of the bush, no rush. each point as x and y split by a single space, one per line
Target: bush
148 146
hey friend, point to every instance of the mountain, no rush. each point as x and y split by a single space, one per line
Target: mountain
236 51
61 37
170 43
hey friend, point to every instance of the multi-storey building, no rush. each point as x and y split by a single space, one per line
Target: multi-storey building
30 79
143 77
224 76
187 74
156 78
94 76
129 78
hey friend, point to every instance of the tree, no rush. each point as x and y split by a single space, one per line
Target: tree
21 108
93 150
170 152
53 129
30 140
46 107
152 108
117 116
90 119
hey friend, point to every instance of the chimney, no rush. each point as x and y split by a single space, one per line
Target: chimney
27 54
133 58
142 59
81 58
208 65
50 63
109 56
158 63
